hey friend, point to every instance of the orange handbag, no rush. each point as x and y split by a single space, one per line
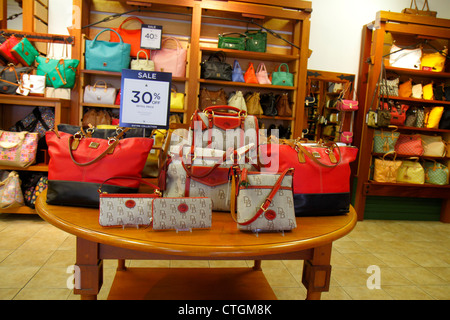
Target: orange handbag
131 36
250 75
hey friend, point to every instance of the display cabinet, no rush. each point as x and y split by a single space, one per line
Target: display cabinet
406 31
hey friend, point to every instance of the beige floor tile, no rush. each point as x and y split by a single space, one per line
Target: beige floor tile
27 257
437 292
443 273
290 293
16 277
349 276
420 276
363 260
407 293
364 293
395 260
428 260
279 277
42 294
8 294
50 278
61 258
349 247
335 293
148 263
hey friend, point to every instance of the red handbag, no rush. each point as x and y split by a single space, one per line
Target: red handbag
250 75
321 174
6 47
398 113
80 164
131 36
409 145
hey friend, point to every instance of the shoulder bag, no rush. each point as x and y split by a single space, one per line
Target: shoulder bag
176 99
212 98
386 170
433 146
384 140
436 173
18 149
59 73
170 60
253 102
130 36
237 100
25 52
237 75
10 78
6 47
250 75
11 195
411 172
216 68
283 105
80 164
434 61
405 58
107 56
265 202
232 40
256 41
268 104
409 145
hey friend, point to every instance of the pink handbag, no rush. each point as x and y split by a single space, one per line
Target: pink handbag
261 74
409 145
171 60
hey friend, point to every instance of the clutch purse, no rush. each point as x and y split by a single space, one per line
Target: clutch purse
181 213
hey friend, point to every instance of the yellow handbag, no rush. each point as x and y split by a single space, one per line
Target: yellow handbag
386 170
405 89
427 91
433 117
176 100
434 61
411 172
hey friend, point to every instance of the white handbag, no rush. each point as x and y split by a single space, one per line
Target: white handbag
35 83
60 93
433 146
237 100
405 58
142 64
99 93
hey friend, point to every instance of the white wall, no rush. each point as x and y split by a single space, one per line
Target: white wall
336 26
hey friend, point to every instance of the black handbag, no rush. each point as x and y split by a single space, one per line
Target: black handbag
215 68
10 77
444 123
268 104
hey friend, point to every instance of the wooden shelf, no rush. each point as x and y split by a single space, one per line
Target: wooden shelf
119 74
241 54
420 101
41 167
426 190
419 73
247 85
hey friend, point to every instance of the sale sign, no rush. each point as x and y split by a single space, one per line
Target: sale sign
145 99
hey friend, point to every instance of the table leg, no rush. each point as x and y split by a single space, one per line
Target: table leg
317 272
257 265
90 270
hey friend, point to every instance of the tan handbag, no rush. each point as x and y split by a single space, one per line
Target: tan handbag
411 172
386 170
96 117
283 106
142 64
405 89
252 100
212 98
433 146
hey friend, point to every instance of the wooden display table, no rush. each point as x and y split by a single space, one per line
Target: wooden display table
311 241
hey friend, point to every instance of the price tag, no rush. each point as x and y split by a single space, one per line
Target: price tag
151 36
145 99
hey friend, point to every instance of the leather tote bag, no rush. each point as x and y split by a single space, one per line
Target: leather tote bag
253 102
25 52
265 202
170 60
216 68
235 41
6 47
283 105
250 75
130 36
35 83
99 93
237 100
80 164
386 170
142 64
176 99
283 78
405 58
18 149
107 56
59 73
325 167
212 98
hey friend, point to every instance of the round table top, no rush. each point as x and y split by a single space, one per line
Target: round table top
223 239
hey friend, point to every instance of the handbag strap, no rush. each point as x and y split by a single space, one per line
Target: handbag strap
157 190
283 64
146 55
263 207
108 29
129 19
302 150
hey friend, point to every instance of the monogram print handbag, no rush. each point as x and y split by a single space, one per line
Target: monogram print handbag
265 202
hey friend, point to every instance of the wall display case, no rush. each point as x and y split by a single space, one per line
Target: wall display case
407 32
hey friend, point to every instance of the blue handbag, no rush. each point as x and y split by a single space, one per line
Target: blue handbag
107 56
237 75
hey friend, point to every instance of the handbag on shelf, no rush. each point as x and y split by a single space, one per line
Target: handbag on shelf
253 102
283 78
176 99
256 41
142 64
411 172
250 75
325 167
444 123
80 164
261 74
433 117
386 170
417 91
428 92
10 78
181 213
283 105
398 114
436 173
409 145
405 58
18 149
59 73
265 202
384 140
434 61
6 47
126 209
232 40
32 187
212 98
268 104
390 87
25 52
237 100
222 127
99 93
11 195
202 172
346 137
130 36
107 56
40 120
237 75
216 68
433 146
35 83
343 104
405 89
95 117
59 93
170 60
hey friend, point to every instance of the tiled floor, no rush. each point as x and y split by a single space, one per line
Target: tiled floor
413 259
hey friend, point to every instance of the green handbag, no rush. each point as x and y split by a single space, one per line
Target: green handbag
58 73
25 52
283 78
236 43
384 141
436 173
256 41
